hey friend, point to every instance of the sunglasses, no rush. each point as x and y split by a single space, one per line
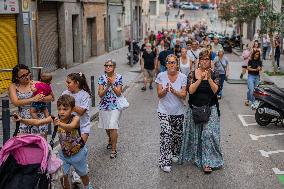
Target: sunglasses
108 65
205 59
24 75
171 62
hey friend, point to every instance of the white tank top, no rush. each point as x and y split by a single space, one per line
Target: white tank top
184 68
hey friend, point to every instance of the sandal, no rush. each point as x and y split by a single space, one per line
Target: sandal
207 170
109 146
113 154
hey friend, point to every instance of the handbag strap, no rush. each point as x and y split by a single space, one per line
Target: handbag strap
225 70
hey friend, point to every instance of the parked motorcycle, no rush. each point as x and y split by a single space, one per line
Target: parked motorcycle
269 104
136 52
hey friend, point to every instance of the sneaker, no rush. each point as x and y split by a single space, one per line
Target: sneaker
88 170
278 68
166 169
75 178
241 76
219 97
143 89
150 87
109 146
175 159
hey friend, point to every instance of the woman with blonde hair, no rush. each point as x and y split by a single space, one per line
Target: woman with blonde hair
171 88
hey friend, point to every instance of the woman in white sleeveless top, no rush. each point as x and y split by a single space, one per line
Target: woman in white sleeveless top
184 62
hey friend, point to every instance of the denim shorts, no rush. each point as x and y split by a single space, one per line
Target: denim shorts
39 105
78 161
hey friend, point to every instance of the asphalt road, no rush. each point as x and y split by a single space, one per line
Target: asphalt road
138 149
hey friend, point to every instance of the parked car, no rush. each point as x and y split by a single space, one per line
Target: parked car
180 4
196 6
189 6
207 6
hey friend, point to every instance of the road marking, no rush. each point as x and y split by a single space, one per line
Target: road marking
266 154
277 171
255 137
242 119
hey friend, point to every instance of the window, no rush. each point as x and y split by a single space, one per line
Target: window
152 7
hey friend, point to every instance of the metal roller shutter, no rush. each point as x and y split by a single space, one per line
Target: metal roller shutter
8 48
48 36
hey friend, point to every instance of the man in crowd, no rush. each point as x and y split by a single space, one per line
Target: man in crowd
148 65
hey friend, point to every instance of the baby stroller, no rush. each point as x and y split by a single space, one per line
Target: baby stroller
24 163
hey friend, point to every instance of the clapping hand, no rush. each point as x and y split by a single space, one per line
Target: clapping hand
208 74
110 81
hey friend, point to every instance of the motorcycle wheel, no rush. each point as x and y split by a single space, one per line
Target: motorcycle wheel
261 120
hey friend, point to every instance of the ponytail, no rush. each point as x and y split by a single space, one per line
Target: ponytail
81 79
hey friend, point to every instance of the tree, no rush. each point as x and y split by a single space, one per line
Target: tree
271 22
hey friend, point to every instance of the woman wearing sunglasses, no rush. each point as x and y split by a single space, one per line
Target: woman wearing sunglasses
110 87
201 138
171 88
21 96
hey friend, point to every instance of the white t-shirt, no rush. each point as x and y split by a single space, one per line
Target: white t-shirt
83 100
193 54
171 104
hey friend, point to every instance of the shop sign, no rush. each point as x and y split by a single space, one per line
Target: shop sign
9 6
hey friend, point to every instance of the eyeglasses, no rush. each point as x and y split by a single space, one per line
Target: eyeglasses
171 62
108 65
24 76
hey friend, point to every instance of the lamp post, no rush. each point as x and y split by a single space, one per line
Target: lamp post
131 33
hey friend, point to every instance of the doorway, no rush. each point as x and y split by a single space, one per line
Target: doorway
75 38
91 37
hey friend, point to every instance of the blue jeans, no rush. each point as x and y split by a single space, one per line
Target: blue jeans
277 58
222 79
253 81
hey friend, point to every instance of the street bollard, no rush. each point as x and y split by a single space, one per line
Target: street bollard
5 120
93 91
49 125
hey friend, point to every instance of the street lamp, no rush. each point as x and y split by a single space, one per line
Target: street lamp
131 33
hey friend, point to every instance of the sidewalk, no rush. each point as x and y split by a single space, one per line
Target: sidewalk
267 65
93 67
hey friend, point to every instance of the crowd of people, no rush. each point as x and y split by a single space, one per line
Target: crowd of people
73 118
185 65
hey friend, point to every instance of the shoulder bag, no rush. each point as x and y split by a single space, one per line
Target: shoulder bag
201 114
122 102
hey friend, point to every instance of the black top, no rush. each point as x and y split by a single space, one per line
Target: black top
254 64
203 94
177 50
149 60
163 55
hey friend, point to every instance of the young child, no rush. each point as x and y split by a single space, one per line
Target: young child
41 87
73 151
77 87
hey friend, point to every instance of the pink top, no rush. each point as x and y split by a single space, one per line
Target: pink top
246 54
43 88
26 149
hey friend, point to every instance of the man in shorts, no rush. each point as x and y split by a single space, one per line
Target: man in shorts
148 65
